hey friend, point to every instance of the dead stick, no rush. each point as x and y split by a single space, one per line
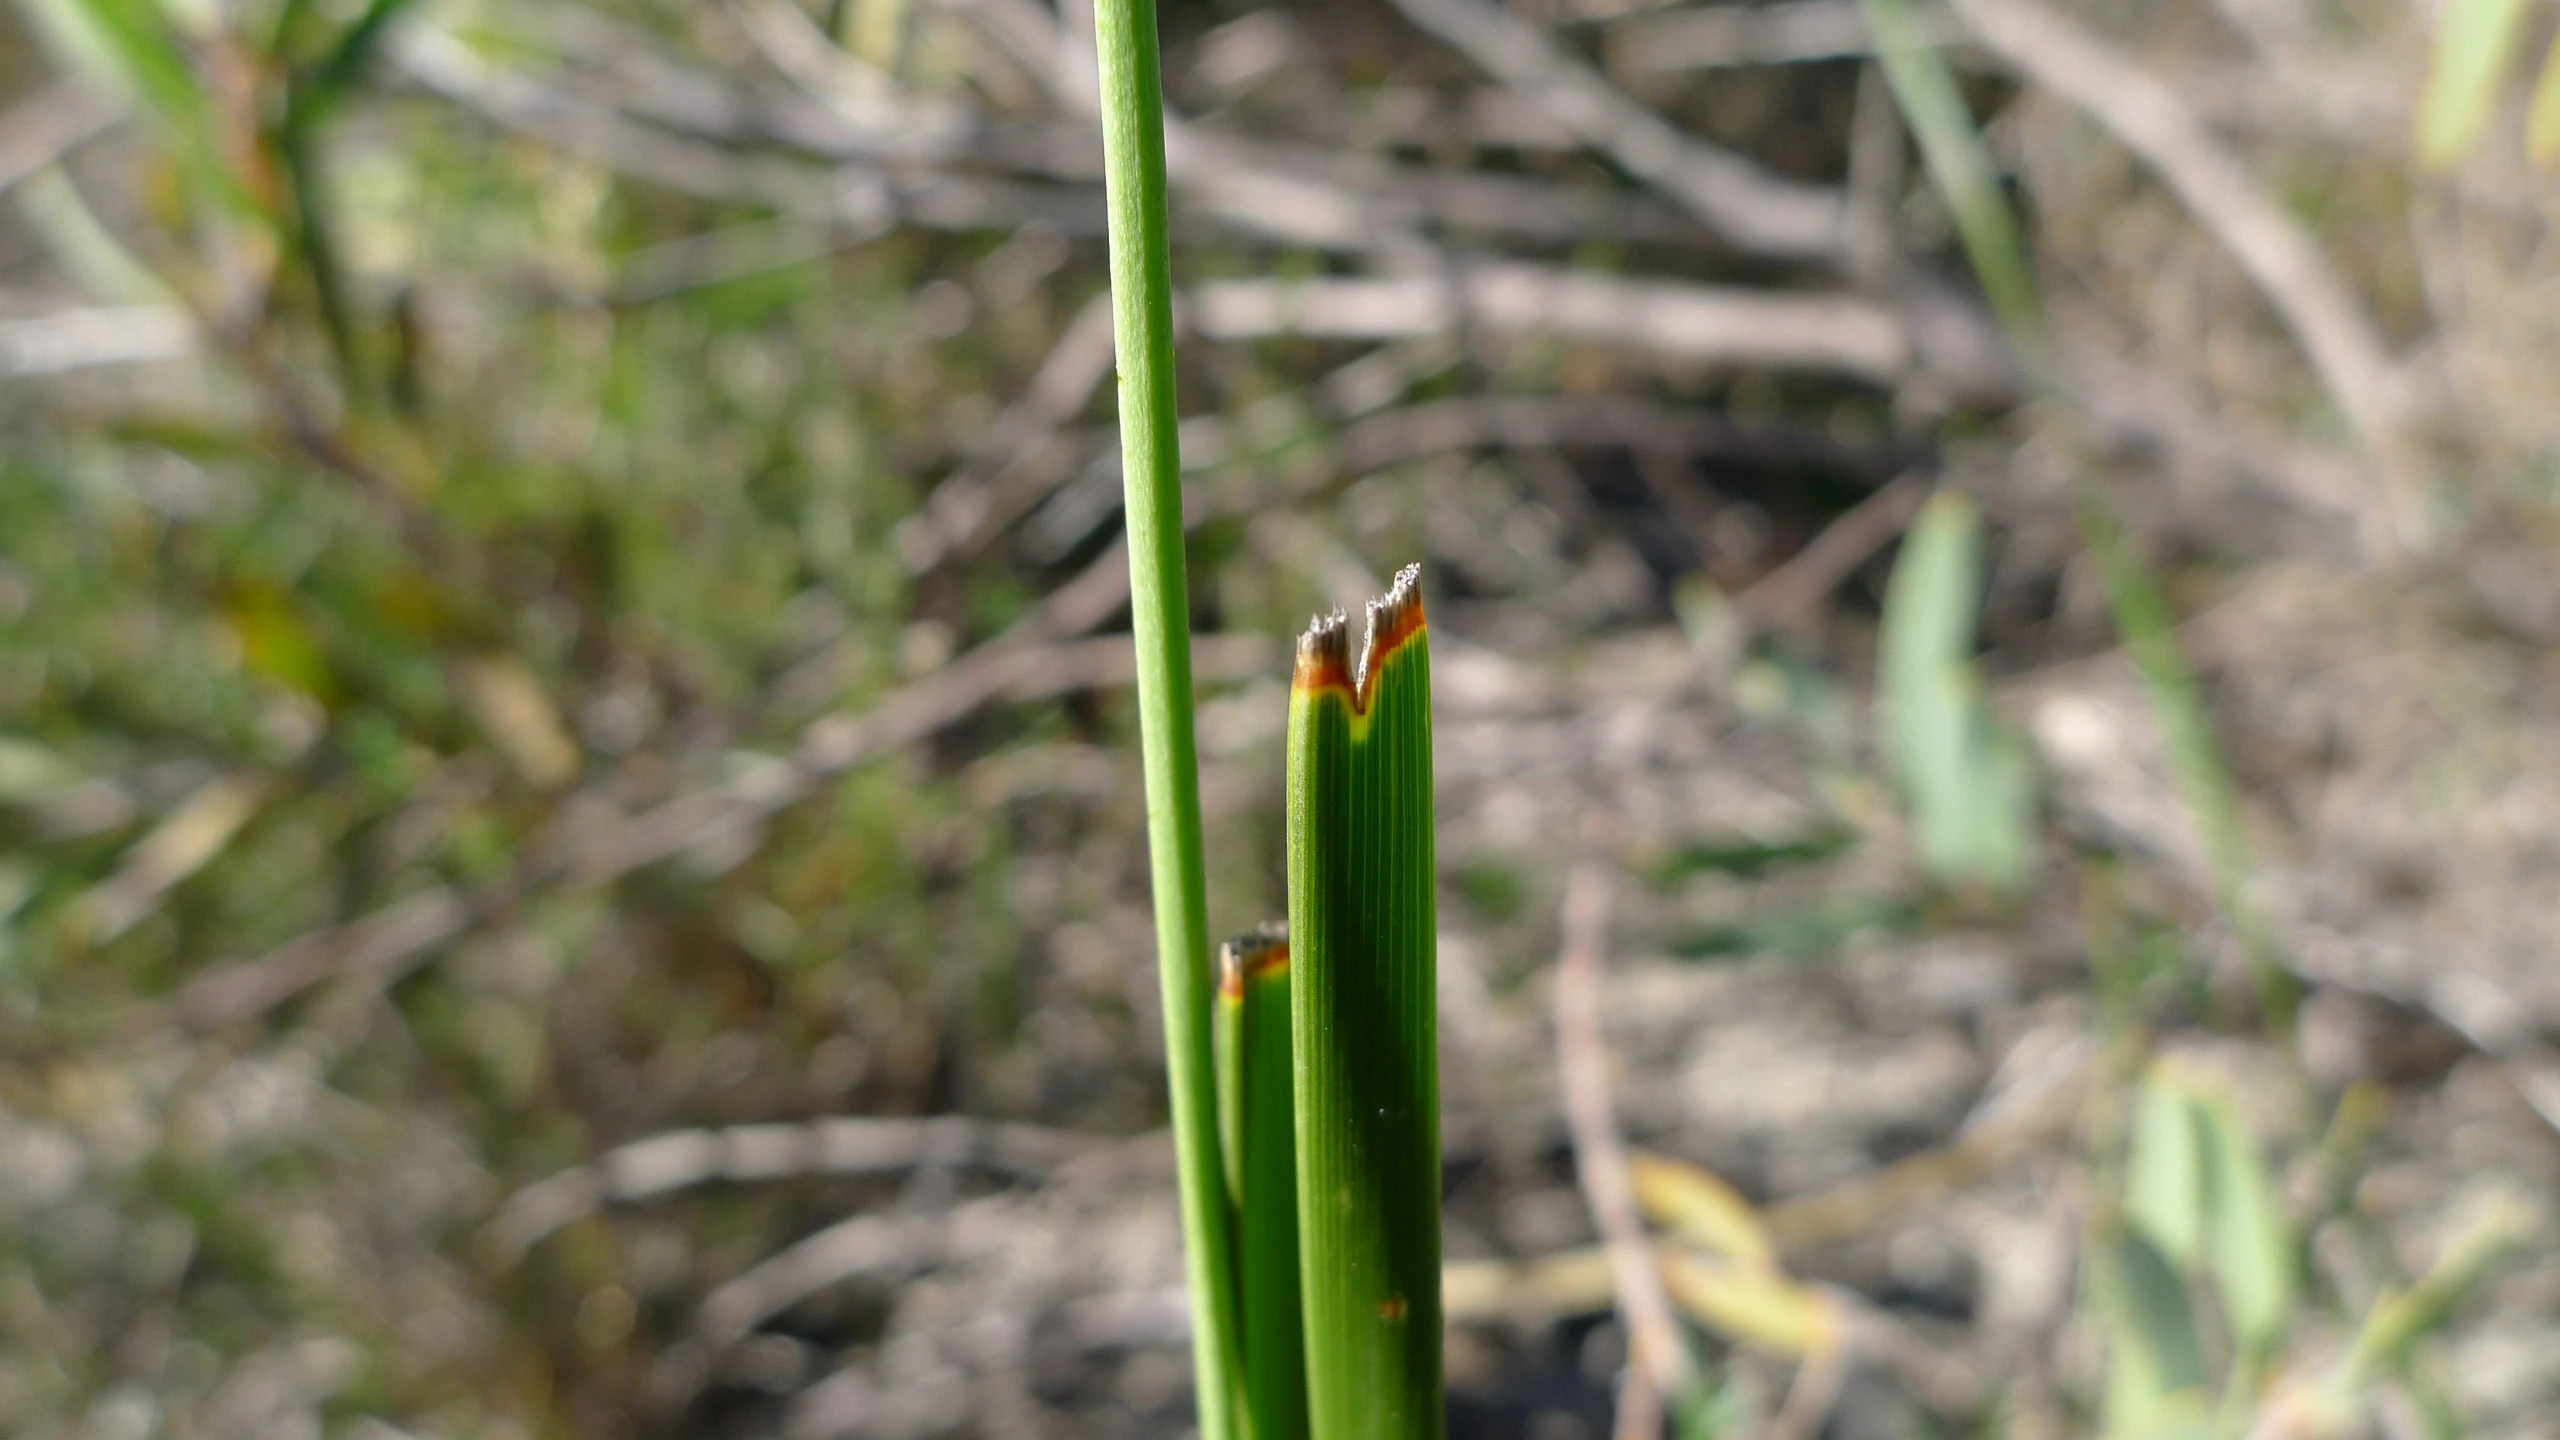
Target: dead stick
58 120
1780 598
1657 1364
2155 123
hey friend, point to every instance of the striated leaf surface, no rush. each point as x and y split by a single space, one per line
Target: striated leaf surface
1363 974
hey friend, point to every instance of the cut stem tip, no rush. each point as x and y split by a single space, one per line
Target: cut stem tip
1324 652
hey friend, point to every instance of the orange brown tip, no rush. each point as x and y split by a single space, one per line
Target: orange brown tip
1324 652
1251 956
1324 656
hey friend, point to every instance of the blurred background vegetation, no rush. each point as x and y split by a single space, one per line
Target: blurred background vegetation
573 856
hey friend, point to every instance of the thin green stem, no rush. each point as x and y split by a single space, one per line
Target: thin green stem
1925 89
1949 145
1151 471
2148 630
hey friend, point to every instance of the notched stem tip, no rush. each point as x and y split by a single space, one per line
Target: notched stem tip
1324 655
1252 955
1324 652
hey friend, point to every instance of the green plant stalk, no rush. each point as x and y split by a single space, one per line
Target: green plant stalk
313 96
1159 602
133 46
1257 1111
2400 1319
1925 90
1363 974
2148 629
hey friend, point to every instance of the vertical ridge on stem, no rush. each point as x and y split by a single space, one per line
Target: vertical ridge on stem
1159 602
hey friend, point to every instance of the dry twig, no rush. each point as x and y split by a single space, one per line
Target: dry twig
1657 1364
2270 244
2037 1107
843 1148
1597 422
1753 209
383 946
103 335
1839 334
1717 37
1782 597
51 124
982 495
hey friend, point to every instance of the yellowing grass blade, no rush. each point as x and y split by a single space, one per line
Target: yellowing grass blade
1697 1206
1756 1307
1362 976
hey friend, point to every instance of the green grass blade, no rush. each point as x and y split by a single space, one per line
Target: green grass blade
2164 1175
1925 90
2247 1243
1361 878
2399 1321
1159 605
81 244
1965 781
2475 45
312 98
1258 1092
131 46
2147 627
2155 1376
343 68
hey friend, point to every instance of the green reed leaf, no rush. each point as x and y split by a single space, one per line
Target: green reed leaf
1363 973
1257 1108
1226 1050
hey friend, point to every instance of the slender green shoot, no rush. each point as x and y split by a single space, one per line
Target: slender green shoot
1159 603
313 95
132 47
1257 1109
2148 629
1925 90
1363 974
